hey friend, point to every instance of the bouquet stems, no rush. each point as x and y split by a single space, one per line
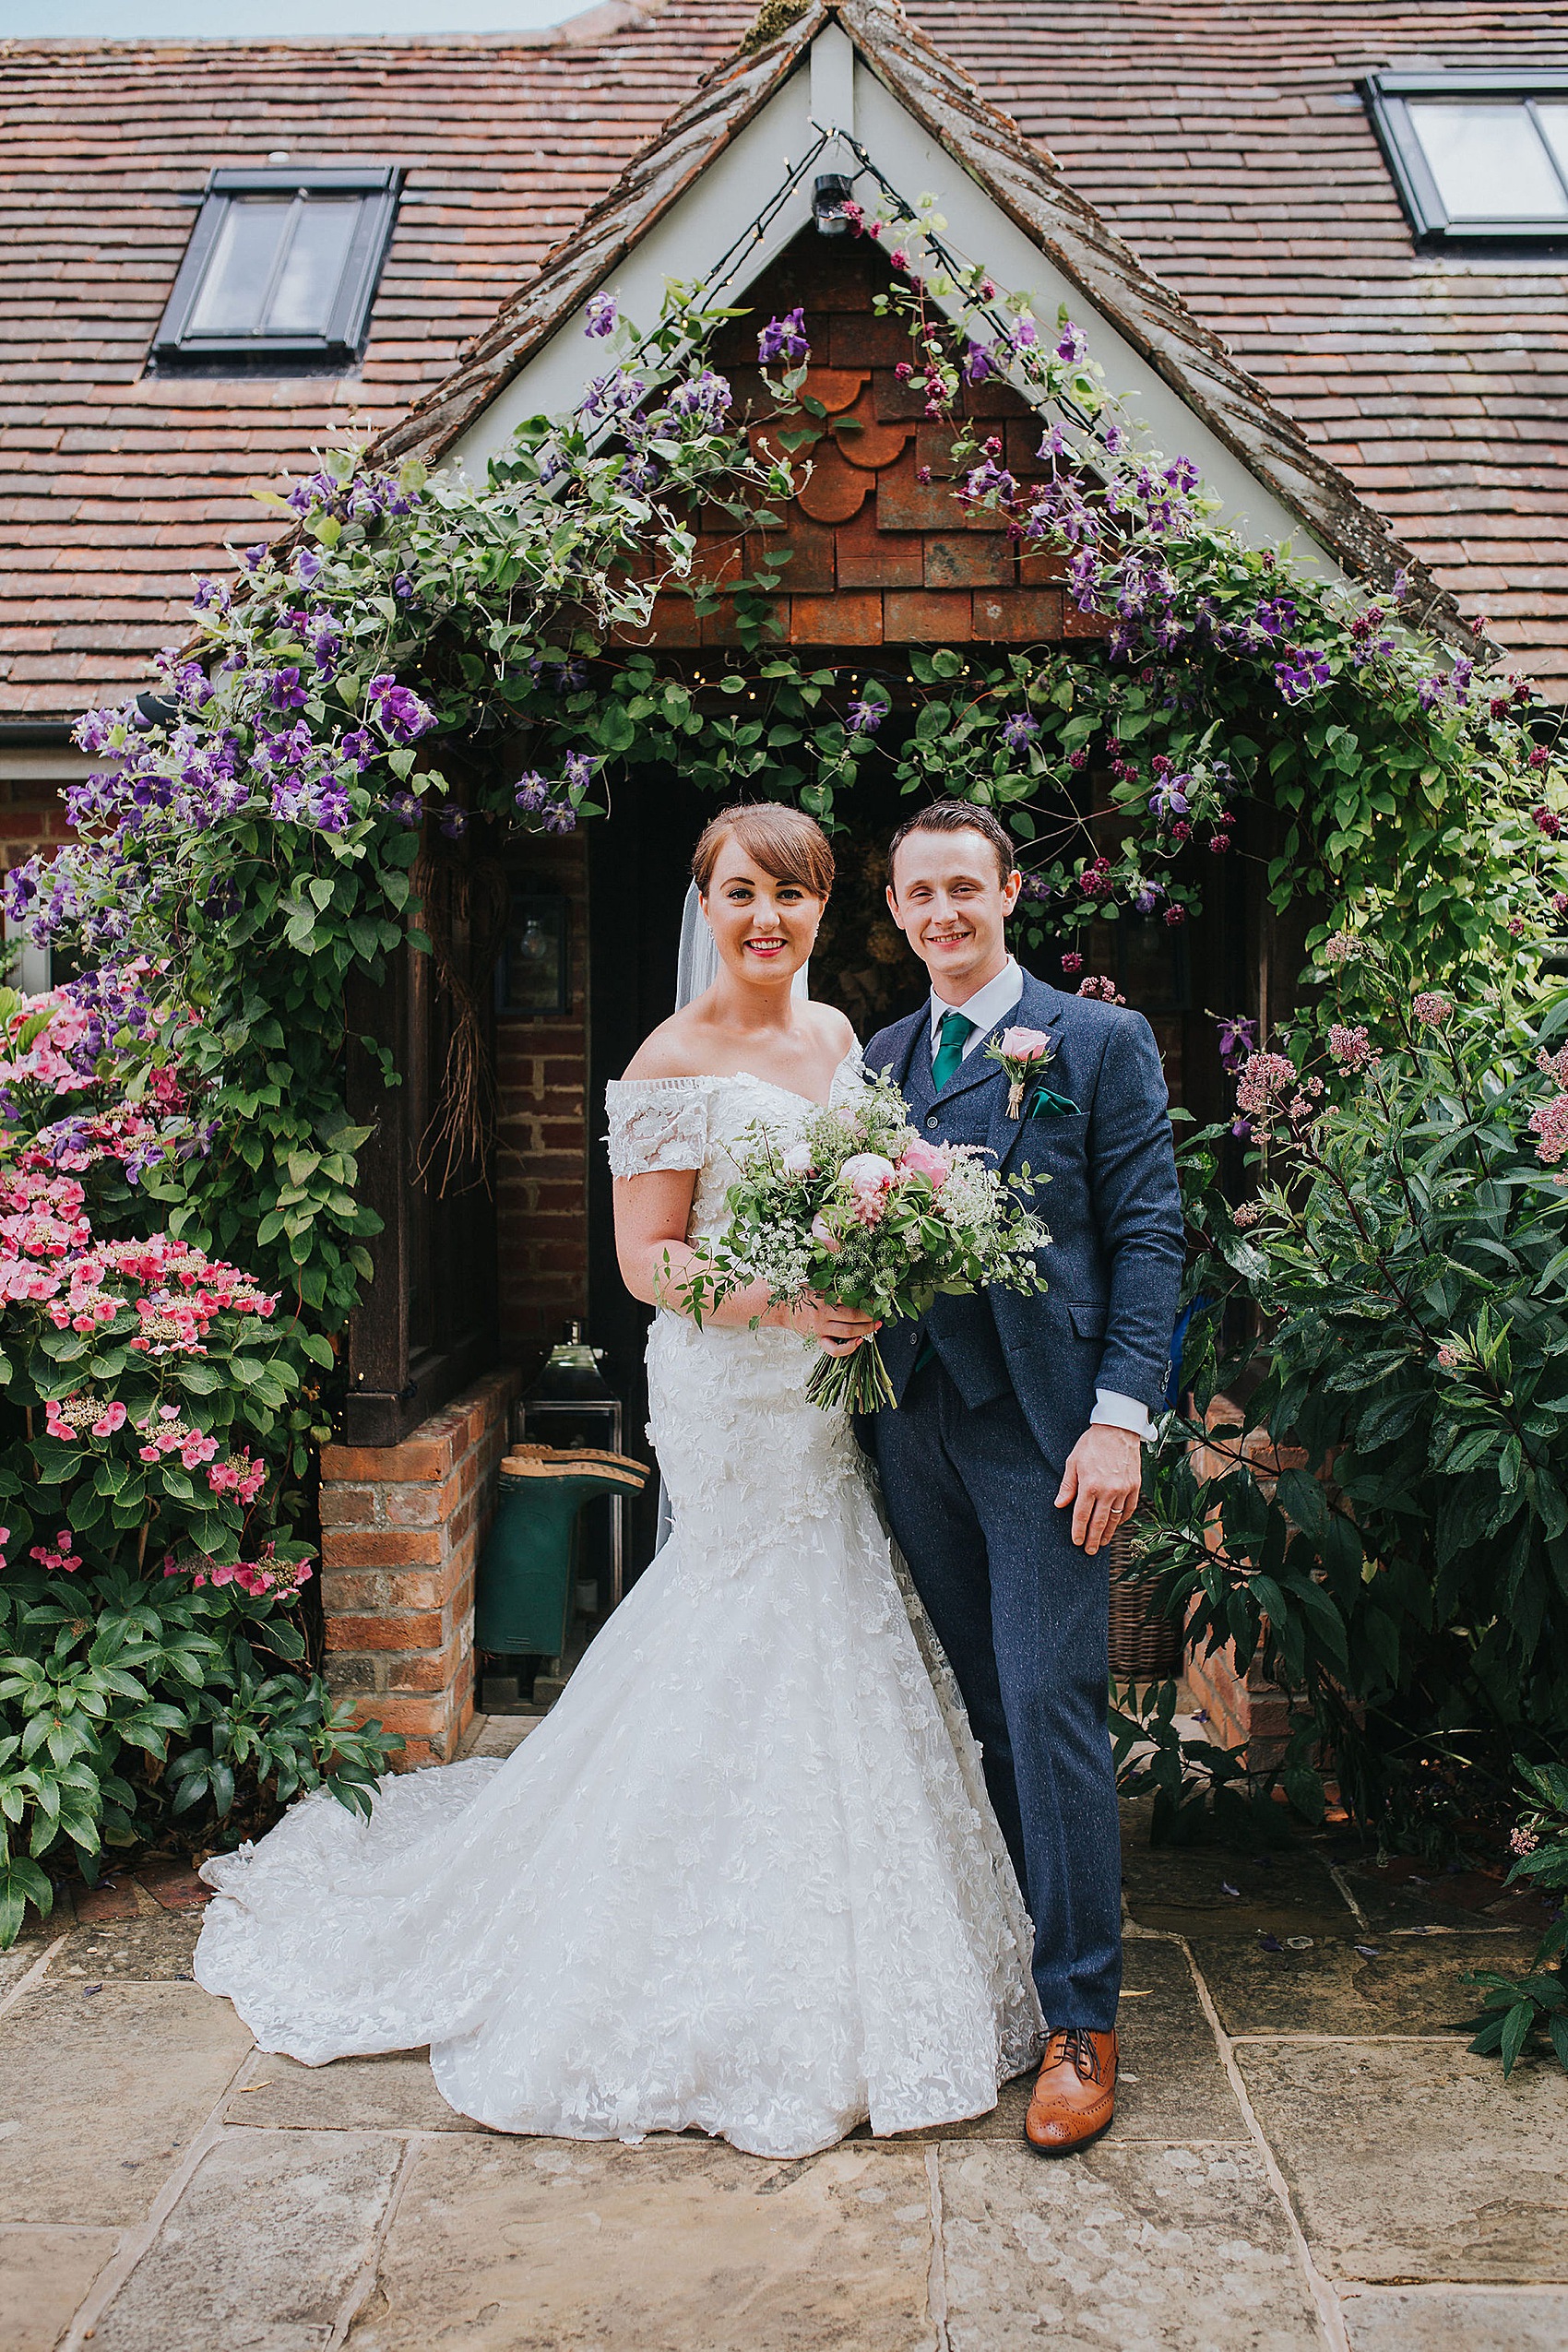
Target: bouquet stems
858 1382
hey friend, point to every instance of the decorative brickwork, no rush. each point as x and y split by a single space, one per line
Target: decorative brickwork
875 550
401 1529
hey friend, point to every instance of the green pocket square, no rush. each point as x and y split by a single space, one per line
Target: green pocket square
1044 1104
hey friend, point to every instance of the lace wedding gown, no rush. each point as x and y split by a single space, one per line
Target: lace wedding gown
744 1876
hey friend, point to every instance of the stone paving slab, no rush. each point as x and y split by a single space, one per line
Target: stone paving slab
107 2087
391 2093
44 2273
1412 2161
1404 1893
497 1735
1414 1985
146 1948
262 2249
14 1966
1457 2320
1186 1891
1122 2249
679 2245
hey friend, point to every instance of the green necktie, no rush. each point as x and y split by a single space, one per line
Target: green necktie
952 1037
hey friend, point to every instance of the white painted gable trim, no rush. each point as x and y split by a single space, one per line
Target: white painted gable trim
833 88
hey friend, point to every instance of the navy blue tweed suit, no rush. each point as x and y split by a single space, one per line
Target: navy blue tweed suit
972 1458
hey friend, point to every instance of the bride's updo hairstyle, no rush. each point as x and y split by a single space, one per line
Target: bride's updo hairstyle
786 843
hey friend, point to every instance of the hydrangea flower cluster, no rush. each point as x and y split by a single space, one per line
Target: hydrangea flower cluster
264 1577
160 1295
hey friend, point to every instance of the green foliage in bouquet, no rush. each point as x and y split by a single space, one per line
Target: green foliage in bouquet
1384 1523
863 1211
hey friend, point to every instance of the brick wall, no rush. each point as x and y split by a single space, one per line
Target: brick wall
543 1138
402 1527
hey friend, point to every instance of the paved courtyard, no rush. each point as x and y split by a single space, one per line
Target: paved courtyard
1305 2157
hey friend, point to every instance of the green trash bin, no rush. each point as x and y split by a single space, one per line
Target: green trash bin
523 1591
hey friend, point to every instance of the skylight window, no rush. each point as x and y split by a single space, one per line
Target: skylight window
281 267
1478 160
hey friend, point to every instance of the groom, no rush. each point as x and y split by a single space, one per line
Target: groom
1015 1452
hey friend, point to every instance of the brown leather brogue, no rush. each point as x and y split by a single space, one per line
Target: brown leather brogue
1074 2093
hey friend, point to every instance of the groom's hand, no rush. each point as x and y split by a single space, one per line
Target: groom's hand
1102 1482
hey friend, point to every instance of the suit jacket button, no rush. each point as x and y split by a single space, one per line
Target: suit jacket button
931 1120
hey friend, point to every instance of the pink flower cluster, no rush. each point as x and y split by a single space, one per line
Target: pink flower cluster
163 1432
62 1559
46 1061
1264 1089
1096 984
1351 1048
1549 1124
48 1257
1262 1083
1430 1009
1341 949
68 1416
263 1577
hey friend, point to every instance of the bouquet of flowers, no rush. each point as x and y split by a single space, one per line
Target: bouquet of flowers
863 1211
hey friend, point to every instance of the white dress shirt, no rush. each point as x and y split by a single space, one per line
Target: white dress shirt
986 1007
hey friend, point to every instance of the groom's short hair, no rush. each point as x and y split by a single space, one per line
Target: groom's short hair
953 816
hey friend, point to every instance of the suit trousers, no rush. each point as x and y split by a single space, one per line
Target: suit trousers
1023 1617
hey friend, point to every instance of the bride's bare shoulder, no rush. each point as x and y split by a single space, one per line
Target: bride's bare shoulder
669 1051
834 1028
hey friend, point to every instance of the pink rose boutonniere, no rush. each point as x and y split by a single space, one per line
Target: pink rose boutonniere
1023 1055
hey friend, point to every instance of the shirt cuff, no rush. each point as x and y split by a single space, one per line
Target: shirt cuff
1114 1411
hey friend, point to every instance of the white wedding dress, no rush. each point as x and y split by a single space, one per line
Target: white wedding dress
745 1875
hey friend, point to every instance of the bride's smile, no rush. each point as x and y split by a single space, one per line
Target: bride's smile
760 923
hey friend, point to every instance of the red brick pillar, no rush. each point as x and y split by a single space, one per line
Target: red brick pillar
401 1527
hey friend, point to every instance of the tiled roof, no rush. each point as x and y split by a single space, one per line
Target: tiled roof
1225 143
1228 146
117 484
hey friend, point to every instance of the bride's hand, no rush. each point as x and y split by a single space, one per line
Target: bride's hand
839 1329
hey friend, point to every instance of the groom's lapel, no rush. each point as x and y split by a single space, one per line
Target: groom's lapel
1039 1008
908 1068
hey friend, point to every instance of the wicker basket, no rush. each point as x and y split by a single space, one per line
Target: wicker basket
1141 1650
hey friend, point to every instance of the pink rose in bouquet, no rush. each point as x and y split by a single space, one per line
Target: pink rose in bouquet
921 1159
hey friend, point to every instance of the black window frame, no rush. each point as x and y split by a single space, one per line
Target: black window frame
379 186
1387 99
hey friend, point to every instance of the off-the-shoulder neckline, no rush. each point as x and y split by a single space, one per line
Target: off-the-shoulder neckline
729 1077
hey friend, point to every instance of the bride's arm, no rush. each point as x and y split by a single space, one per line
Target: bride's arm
652 1214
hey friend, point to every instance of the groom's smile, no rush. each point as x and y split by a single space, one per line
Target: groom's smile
951 900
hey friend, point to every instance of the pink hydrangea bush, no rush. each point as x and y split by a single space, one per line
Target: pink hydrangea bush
149 1626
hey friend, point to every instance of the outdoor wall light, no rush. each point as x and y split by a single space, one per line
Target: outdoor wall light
831 194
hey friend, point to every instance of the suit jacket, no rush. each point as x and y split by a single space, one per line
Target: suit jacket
1103 1178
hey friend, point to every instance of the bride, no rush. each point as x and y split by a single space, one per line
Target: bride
744 1877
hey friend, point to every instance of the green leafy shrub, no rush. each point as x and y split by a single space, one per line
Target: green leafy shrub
1514 2009
1387 1528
